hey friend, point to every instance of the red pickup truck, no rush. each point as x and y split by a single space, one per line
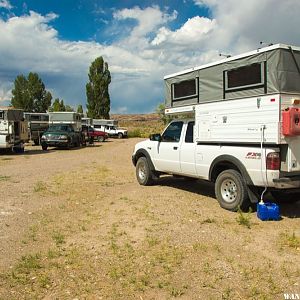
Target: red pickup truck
91 134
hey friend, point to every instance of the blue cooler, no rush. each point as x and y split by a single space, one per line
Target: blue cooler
268 211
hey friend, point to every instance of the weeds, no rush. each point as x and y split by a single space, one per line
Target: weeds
40 186
290 240
58 238
4 178
244 219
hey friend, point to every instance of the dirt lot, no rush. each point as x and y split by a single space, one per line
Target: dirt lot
74 224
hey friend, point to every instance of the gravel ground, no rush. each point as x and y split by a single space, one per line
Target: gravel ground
75 224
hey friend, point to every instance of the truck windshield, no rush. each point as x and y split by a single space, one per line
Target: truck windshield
54 128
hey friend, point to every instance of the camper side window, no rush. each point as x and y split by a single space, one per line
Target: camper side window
185 89
251 76
1 115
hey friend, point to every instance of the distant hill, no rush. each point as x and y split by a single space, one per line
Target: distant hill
135 117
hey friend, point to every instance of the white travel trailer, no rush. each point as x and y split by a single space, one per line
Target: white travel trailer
13 129
244 134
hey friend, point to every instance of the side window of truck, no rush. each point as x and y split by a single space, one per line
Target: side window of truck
189 136
172 133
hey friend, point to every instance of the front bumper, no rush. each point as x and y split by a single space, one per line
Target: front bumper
287 182
56 143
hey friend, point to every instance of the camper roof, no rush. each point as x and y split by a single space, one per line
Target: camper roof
9 108
259 50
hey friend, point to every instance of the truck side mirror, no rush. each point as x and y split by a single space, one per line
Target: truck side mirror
155 137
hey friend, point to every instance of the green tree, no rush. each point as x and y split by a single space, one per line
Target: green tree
160 110
30 94
98 100
58 105
80 109
69 108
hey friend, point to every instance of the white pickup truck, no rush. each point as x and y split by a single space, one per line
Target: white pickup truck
235 170
244 134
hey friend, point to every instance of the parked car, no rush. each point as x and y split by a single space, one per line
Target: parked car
91 134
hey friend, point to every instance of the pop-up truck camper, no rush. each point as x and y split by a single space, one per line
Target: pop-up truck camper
13 129
244 130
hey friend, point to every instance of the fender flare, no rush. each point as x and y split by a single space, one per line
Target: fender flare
142 153
232 160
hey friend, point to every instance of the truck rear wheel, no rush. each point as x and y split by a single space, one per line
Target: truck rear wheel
231 191
143 172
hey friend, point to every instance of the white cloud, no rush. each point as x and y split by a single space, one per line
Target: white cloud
150 50
5 4
193 31
148 19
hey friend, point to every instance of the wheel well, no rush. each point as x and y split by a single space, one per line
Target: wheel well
220 167
138 156
225 162
143 153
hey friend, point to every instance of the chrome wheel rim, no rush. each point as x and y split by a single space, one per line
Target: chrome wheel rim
142 171
229 190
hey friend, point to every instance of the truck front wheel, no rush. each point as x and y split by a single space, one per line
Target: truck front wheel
120 135
231 191
143 172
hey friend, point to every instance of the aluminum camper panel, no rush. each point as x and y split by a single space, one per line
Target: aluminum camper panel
239 121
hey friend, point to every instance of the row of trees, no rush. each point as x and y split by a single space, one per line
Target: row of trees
29 93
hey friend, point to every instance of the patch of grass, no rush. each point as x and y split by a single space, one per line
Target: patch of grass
4 178
33 232
27 264
44 281
177 292
201 247
244 219
40 186
290 240
135 133
58 238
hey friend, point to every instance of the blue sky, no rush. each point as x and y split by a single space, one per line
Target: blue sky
141 40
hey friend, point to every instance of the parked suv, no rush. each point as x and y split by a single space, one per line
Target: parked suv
61 135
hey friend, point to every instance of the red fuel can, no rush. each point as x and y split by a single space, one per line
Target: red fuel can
291 121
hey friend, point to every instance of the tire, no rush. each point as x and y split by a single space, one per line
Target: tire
44 147
231 191
143 172
120 135
101 139
285 197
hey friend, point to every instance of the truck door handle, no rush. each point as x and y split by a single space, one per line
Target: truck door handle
175 148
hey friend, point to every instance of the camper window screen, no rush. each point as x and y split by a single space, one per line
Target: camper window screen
245 77
185 89
1 115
